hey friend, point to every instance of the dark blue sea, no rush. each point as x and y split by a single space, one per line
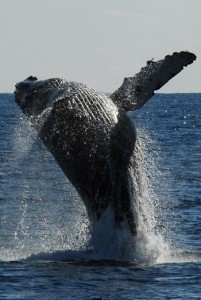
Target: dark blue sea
44 231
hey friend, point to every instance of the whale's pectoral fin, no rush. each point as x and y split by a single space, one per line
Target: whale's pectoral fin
135 91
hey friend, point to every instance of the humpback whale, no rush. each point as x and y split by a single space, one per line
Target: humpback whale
92 138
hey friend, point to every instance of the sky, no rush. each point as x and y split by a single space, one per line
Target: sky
97 42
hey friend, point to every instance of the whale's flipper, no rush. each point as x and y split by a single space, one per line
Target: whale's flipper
135 91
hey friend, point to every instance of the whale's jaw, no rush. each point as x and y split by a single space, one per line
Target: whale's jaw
34 96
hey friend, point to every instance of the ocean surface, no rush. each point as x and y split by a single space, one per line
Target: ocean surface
45 239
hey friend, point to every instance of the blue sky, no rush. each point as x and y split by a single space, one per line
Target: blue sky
97 42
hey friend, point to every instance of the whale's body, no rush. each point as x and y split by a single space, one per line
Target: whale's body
91 136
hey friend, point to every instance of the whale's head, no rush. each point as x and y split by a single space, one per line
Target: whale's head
34 96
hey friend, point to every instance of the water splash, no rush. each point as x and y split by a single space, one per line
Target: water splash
149 245
150 242
24 137
46 214
54 225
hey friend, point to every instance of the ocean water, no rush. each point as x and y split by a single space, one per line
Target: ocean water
45 249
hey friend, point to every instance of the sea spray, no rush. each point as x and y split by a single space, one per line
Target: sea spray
150 243
24 137
44 221
58 222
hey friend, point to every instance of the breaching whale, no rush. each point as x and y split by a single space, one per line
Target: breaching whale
92 138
